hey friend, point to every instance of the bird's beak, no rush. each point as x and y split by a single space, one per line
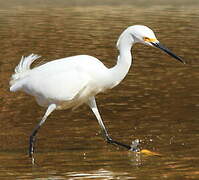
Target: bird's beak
160 46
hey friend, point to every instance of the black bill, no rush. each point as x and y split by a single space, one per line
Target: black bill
160 46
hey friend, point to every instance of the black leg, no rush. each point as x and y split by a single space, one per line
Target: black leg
93 106
32 141
50 109
111 141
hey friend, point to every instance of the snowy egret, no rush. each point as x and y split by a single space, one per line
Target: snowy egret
71 81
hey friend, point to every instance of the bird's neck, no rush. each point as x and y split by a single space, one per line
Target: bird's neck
124 61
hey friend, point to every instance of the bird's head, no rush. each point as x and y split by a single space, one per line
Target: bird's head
143 34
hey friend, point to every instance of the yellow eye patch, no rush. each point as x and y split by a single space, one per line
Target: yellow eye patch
146 39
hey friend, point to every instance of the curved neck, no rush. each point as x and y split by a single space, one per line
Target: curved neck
124 61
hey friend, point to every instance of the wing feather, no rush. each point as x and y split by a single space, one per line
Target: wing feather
61 86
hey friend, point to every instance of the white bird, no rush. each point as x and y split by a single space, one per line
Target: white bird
72 81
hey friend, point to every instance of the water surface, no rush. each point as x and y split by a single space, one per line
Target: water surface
157 102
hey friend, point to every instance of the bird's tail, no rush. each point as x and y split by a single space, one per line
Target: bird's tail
21 69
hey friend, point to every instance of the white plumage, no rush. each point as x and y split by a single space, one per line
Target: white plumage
66 82
72 81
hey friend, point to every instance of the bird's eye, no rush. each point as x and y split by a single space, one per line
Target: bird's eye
146 39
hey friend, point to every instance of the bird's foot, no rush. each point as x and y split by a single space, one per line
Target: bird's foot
31 156
134 146
31 149
32 160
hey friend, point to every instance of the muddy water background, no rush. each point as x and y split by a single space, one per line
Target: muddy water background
158 102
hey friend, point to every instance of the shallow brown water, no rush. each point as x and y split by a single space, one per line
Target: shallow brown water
158 102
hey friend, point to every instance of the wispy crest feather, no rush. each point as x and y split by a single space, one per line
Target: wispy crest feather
23 67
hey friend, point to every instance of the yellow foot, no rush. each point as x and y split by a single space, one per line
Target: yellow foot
149 153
